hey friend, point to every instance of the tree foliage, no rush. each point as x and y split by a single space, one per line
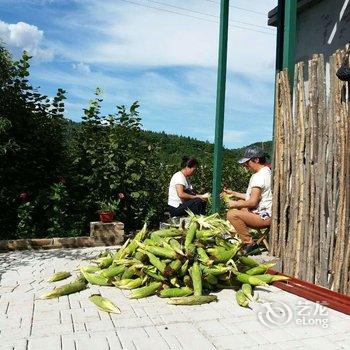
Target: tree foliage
54 172
31 139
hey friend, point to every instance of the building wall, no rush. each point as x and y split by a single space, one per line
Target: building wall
323 28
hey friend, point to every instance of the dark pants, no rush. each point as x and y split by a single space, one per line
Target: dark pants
196 205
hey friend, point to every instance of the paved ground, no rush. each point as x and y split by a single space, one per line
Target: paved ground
73 323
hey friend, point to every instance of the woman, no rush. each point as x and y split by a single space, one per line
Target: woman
253 208
181 196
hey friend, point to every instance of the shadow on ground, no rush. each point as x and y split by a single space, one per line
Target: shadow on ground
11 261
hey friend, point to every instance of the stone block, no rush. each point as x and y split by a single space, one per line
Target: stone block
84 242
40 243
107 231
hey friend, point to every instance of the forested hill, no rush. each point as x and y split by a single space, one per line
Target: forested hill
173 147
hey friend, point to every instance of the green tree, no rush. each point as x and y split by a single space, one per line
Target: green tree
31 140
110 157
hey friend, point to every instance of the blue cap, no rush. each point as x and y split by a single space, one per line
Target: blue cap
252 152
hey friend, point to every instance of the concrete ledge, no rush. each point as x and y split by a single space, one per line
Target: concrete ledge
102 229
63 242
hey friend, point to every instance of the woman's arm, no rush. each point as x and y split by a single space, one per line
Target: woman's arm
183 195
251 203
238 195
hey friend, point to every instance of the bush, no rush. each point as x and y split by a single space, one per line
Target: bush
53 173
32 153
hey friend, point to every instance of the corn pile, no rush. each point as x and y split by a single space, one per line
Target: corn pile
185 266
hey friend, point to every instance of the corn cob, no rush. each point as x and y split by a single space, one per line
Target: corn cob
176 265
113 271
196 275
176 292
226 198
157 263
128 283
258 270
188 281
66 289
59 276
215 270
121 253
130 249
159 251
220 254
203 257
176 246
155 240
105 262
125 262
150 241
172 268
89 268
193 300
184 268
226 244
254 281
104 304
128 273
96 279
248 291
203 234
246 260
211 279
139 255
191 234
81 278
171 232
154 274
191 250
166 244
145 291
271 278
241 299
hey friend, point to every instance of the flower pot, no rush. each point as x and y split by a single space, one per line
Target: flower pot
107 217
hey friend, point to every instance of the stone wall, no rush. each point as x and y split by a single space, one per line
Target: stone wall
101 235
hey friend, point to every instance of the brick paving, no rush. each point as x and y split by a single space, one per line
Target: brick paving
74 323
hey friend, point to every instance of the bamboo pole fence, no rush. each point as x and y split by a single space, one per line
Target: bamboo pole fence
311 191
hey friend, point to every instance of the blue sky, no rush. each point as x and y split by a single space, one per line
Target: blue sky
142 50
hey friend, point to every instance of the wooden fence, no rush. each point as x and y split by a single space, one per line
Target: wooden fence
311 198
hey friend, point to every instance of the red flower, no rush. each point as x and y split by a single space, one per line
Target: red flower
23 196
121 195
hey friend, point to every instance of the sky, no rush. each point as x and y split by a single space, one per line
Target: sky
162 53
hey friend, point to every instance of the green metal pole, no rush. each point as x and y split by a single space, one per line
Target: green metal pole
290 21
279 66
279 36
220 104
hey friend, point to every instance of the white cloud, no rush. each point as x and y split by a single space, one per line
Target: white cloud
81 67
166 61
23 36
126 34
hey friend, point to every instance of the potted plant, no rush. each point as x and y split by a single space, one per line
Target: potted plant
107 210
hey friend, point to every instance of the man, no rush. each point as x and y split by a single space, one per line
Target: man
253 208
